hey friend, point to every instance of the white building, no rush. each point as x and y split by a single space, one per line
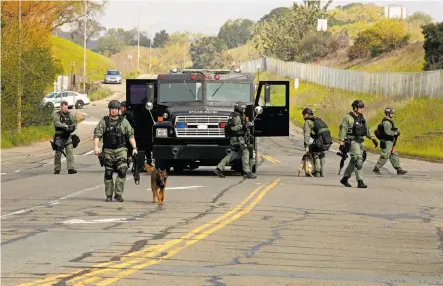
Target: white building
398 12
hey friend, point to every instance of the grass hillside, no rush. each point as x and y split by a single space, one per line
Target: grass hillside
68 52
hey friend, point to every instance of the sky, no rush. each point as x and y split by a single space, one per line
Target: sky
207 16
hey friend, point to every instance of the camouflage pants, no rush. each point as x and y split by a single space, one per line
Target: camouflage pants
386 148
115 161
319 161
69 151
356 161
236 153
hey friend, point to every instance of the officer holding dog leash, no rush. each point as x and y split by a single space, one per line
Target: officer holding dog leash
64 123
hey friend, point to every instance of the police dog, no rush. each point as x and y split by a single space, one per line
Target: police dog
307 164
158 183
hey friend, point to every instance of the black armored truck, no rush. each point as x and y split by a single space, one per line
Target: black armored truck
179 118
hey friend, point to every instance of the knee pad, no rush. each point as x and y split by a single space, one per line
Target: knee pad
122 172
108 174
359 164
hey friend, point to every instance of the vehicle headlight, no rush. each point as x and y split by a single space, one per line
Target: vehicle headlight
161 132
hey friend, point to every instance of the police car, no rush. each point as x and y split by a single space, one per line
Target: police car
53 99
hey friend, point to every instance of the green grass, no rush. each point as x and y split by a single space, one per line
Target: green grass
28 135
415 117
100 93
68 52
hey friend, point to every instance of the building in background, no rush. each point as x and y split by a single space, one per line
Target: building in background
394 11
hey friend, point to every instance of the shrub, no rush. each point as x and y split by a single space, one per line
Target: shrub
433 46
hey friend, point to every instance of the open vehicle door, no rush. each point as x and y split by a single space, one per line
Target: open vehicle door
273 96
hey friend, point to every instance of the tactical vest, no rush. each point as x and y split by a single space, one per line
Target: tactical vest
321 135
66 119
359 128
113 137
231 123
380 131
319 126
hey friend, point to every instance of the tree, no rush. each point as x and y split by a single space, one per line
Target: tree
236 33
93 30
433 46
160 39
204 50
420 18
277 13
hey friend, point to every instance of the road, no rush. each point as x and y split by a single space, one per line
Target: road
278 229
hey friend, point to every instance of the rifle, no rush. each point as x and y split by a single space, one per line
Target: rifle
101 159
136 173
56 147
344 155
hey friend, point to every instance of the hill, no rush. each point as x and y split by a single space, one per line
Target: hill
68 52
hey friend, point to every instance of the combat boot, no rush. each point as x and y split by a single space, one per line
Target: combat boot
361 185
118 198
72 171
400 171
249 176
376 171
345 182
219 173
321 174
317 174
108 199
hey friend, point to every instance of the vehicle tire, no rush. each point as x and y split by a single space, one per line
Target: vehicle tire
79 104
49 105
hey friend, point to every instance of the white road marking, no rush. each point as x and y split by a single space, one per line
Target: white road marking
87 122
182 188
103 220
16 171
88 153
54 202
3 174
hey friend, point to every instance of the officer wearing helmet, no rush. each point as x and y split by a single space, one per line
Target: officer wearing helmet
313 128
237 128
353 129
115 131
388 133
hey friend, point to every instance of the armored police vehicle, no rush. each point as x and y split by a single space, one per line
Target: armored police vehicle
179 118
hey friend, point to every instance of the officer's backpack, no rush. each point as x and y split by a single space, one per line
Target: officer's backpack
323 138
380 131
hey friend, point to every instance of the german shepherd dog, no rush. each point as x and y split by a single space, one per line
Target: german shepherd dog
158 183
307 164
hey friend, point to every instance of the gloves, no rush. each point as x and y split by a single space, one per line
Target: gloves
70 128
375 142
342 148
397 133
249 124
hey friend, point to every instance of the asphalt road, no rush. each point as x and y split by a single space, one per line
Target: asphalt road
278 229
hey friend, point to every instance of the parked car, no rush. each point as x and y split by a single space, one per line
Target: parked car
113 76
54 99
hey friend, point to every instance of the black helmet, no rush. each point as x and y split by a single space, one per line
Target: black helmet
389 110
114 104
307 110
240 106
358 104
123 103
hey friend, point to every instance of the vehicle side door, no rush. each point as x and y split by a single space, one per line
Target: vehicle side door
273 96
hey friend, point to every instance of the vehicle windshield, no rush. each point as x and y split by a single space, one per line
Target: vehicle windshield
180 91
113 73
51 95
228 91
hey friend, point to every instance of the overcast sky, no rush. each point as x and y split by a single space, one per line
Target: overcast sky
207 16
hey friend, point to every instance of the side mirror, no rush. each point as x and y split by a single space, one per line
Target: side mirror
267 93
150 93
258 109
149 106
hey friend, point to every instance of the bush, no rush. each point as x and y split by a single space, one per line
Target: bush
433 46
385 36
315 46
100 93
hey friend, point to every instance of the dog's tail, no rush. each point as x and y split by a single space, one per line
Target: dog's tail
149 168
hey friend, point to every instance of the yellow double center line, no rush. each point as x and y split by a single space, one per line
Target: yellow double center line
269 158
137 260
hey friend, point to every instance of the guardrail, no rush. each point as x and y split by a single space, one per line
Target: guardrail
407 84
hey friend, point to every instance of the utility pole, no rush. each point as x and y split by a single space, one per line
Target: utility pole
84 51
138 40
19 82
150 48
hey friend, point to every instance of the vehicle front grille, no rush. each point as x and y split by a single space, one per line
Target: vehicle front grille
200 126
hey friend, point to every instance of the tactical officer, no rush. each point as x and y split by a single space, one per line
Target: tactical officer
115 131
64 123
237 128
353 129
389 134
308 130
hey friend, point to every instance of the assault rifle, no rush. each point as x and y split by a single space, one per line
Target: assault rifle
344 154
136 170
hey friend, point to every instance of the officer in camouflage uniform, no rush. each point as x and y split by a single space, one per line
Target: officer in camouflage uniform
319 157
64 123
115 131
389 134
238 127
353 129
